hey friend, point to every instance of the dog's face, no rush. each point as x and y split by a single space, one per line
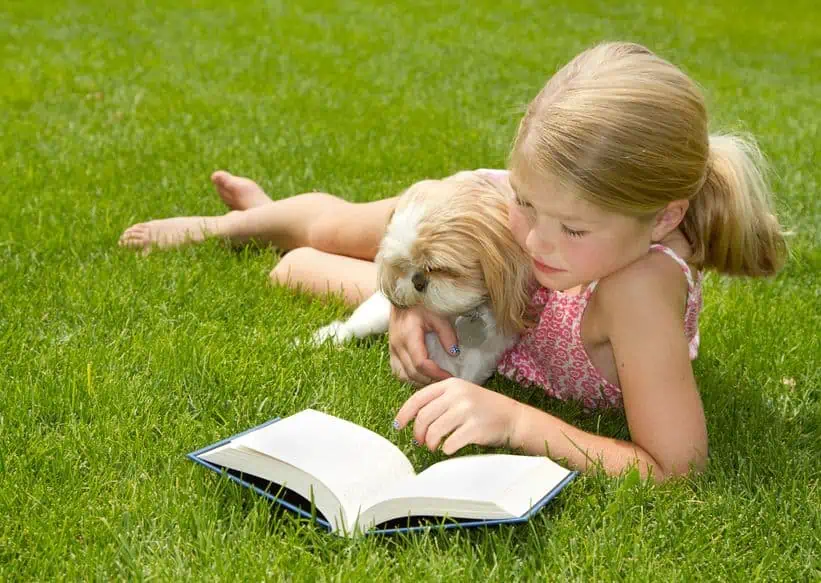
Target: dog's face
422 262
448 247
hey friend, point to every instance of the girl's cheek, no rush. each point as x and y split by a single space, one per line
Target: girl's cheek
582 256
518 225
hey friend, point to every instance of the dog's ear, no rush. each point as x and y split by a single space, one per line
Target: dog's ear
507 274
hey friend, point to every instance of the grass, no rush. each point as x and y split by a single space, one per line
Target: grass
114 366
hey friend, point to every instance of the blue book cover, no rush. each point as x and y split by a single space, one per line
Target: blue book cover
305 507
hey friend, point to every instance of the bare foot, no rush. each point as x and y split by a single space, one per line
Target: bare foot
238 193
165 233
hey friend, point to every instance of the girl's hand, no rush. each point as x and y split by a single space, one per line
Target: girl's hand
466 412
409 356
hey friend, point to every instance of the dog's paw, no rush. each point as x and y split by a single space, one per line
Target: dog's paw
335 332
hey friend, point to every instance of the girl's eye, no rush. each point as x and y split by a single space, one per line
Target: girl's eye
572 233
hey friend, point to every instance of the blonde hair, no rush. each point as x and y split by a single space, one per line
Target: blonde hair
462 235
628 130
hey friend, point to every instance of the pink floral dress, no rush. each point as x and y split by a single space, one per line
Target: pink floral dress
552 354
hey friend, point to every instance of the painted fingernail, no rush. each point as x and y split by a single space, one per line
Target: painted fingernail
414 442
454 350
395 423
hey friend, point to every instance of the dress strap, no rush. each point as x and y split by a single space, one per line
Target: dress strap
683 264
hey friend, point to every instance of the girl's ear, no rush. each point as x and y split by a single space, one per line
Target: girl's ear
669 218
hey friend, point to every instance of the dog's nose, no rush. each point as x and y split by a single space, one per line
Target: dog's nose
419 281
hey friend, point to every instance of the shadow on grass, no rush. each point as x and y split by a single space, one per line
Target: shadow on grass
758 439
252 248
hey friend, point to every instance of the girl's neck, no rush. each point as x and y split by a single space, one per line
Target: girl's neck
676 241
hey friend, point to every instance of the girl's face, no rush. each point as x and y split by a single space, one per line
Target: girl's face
571 242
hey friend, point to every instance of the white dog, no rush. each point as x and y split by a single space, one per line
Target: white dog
449 248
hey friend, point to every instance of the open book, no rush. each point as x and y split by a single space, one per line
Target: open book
359 480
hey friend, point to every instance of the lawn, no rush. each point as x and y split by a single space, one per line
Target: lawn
113 365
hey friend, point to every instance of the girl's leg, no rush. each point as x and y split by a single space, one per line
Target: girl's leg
325 273
318 220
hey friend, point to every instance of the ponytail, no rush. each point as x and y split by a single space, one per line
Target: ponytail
629 132
730 223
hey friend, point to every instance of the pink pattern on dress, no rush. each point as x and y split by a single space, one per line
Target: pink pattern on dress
552 354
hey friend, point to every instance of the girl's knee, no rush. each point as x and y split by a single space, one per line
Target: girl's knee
326 232
288 270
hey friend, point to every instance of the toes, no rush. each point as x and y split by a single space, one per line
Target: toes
131 242
130 233
220 178
135 236
238 192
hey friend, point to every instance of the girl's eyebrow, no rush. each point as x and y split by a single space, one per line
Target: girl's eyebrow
571 218
560 216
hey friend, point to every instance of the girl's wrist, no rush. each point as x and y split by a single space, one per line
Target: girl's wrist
517 424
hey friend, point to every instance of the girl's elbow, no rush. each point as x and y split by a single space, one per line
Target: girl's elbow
695 464
684 458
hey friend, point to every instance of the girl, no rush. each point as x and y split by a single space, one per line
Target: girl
622 199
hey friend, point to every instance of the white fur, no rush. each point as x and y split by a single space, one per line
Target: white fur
447 298
401 233
371 317
482 343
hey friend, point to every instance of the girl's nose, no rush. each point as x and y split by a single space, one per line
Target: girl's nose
537 244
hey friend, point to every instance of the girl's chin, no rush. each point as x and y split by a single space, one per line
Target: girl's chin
549 281
558 281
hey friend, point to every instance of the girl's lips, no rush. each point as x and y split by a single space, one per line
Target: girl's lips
546 268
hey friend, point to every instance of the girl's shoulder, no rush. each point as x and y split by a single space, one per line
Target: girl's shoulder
654 283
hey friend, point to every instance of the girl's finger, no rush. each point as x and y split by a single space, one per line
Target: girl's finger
411 370
461 437
400 371
429 368
427 417
396 366
418 357
449 421
446 334
418 400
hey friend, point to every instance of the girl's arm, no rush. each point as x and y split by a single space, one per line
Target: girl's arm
645 324
661 401
539 433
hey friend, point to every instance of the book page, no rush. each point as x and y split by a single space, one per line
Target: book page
251 462
353 462
479 486
473 477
